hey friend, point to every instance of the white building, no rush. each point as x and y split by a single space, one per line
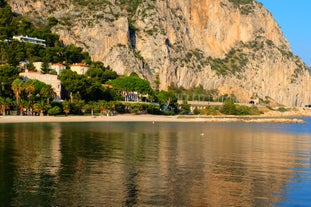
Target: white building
32 40
58 67
38 66
80 68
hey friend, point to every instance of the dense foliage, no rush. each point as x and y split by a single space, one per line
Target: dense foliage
229 108
100 73
80 87
32 96
13 51
7 75
132 83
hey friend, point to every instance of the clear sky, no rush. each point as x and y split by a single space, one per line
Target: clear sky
294 18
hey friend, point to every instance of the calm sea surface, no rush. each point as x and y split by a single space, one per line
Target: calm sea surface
161 164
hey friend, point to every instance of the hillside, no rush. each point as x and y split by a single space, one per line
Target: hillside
233 46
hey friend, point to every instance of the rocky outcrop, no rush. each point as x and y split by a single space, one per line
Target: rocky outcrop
236 48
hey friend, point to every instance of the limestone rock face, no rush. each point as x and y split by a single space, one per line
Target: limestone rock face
235 48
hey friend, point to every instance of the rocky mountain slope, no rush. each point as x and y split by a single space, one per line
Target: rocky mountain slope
234 46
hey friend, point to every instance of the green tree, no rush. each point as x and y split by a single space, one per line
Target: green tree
41 107
32 88
31 66
109 75
77 107
18 87
75 54
52 21
7 75
95 73
167 98
6 19
45 68
196 111
29 89
72 83
185 107
66 107
91 105
95 91
22 106
25 27
47 93
102 106
132 83
81 87
5 104
228 108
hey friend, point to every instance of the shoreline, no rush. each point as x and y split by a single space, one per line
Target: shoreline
151 118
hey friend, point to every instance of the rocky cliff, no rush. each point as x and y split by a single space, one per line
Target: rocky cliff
234 46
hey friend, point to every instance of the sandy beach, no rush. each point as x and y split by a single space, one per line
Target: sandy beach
146 118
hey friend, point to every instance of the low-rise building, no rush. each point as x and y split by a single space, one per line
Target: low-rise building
38 66
80 68
58 67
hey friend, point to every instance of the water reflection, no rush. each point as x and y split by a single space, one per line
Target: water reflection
144 164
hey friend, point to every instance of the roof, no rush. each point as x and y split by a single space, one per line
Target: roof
58 64
107 86
80 65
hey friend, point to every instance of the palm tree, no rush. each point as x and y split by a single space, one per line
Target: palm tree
18 87
92 105
102 106
111 107
29 88
5 104
41 107
22 105
66 107
47 92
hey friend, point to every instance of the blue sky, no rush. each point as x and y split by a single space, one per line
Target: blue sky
294 18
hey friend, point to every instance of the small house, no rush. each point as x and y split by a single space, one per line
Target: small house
80 68
58 67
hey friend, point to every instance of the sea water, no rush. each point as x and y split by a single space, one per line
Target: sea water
155 164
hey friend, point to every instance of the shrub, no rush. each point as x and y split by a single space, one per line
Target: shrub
119 107
196 111
185 108
55 110
154 109
228 108
282 109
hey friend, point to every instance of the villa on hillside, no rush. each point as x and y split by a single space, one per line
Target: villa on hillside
133 96
58 67
45 78
80 68
32 40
